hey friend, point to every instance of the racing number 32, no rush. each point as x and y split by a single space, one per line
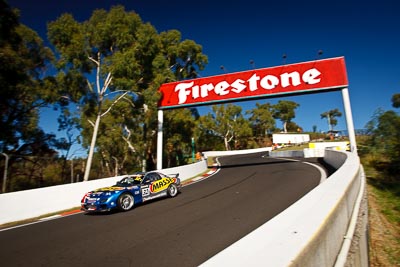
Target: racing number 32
145 191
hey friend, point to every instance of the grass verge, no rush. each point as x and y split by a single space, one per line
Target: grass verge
384 220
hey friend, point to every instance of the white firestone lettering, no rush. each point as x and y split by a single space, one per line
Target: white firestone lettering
205 88
285 77
310 76
195 91
220 88
183 93
269 82
238 86
253 82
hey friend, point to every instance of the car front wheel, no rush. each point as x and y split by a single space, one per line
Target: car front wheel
125 202
172 190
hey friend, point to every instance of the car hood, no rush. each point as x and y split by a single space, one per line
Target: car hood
109 189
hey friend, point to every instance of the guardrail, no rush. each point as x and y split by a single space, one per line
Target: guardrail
317 230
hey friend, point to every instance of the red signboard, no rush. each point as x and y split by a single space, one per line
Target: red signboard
326 74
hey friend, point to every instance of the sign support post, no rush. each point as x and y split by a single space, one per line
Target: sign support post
160 139
349 120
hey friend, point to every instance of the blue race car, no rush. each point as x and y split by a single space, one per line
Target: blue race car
132 189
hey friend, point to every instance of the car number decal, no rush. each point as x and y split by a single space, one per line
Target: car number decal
145 191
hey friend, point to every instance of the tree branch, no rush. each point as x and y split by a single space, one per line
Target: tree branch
126 139
90 85
115 102
106 83
95 61
91 123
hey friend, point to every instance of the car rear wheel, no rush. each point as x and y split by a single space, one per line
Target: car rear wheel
125 202
172 190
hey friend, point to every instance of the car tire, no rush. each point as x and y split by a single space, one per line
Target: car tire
125 202
172 190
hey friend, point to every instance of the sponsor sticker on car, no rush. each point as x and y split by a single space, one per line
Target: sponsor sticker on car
111 188
160 185
90 200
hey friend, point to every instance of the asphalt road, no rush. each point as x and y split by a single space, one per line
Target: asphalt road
183 231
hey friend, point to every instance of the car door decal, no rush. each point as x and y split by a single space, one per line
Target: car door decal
161 185
145 191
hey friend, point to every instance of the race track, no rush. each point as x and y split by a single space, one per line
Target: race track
183 231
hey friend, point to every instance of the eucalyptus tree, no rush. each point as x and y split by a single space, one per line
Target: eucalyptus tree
262 119
227 123
24 85
25 88
114 57
285 111
384 143
331 116
180 132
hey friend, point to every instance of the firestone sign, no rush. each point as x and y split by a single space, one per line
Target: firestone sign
300 78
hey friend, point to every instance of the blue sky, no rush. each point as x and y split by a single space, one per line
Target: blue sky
232 33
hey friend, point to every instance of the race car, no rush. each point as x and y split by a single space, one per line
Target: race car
131 190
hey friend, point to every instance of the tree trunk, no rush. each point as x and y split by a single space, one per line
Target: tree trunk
92 146
226 144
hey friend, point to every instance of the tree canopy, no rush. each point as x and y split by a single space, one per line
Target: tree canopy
396 100
384 142
262 119
285 112
331 116
227 123
113 58
24 87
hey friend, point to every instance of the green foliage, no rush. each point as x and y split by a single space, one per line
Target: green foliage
389 198
110 67
130 60
331 117
25 89
396 100
383 144
262 120
23 60
228 124
314 128
285 112
316 136
291 126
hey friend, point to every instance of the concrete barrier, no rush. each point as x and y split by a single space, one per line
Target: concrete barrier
287 154
26 204
311 232
339 145
235 152
314 152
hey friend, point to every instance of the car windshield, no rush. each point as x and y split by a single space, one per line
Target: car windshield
130 180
